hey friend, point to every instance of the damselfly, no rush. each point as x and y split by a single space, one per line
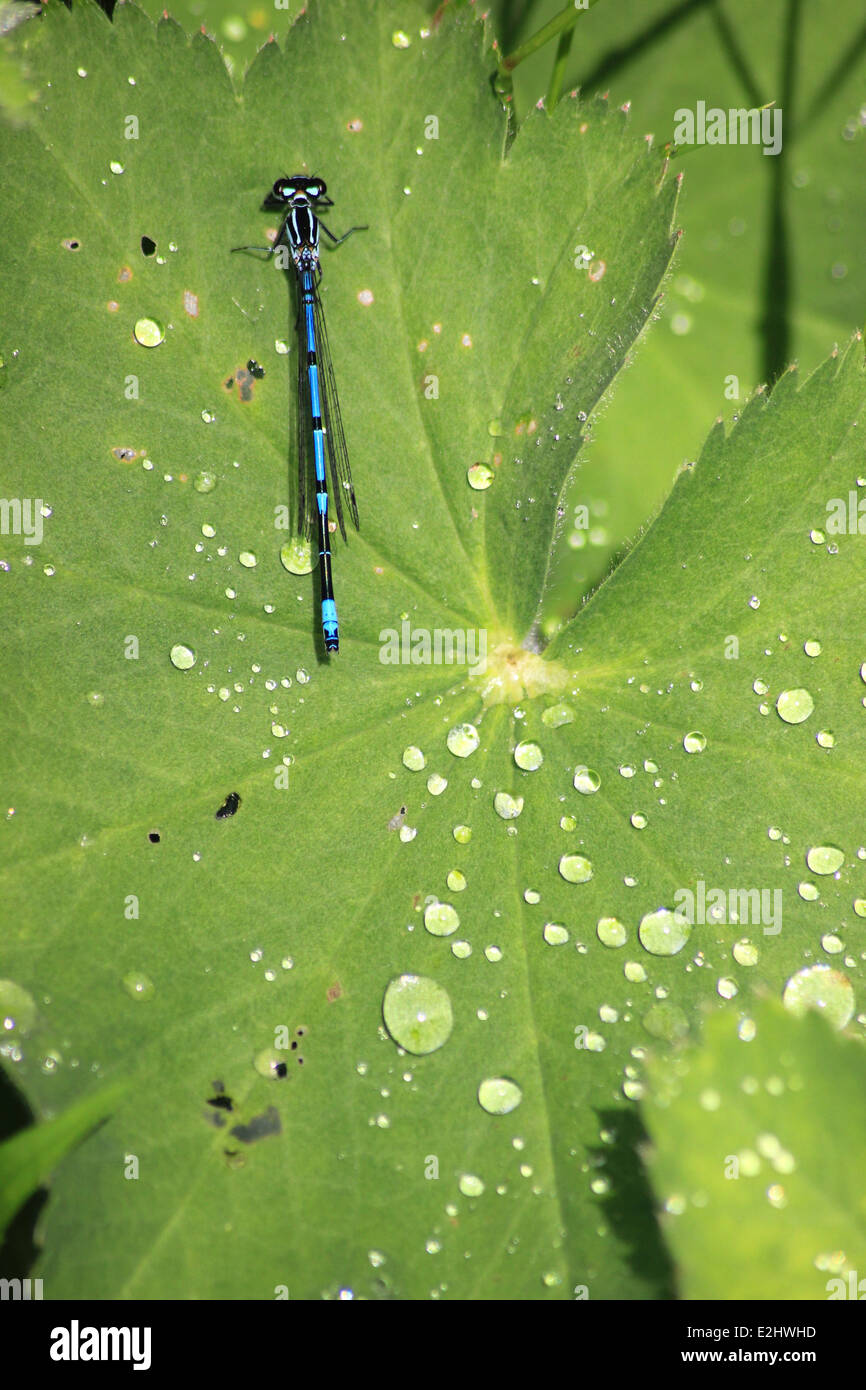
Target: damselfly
318 404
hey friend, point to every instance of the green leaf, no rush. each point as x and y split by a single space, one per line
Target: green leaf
29 1157
757 1158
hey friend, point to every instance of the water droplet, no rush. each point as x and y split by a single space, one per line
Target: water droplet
204 481
247 559
480 476
666 1021
528 756
575 868
611 931
414 759
825 859
399 39
182 657
271 1063
586 781
821 988
795 705
462 740
296 556
499 1096
456 880
470 1185
462 834
555 934
417 1013
507 806
663 933
638 820
825 739
557 715
17 1009
441 919
745 952
694 743
137 985
149 333
461 949
812 647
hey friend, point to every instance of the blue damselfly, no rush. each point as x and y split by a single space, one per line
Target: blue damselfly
318 405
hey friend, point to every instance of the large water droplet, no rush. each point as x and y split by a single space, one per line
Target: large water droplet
795 705
575 868
664 933
819 987
586 781
825 859
462 740
499 1096
441 919
182 657
417 1013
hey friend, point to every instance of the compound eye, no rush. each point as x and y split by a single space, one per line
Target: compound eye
316 189
282 190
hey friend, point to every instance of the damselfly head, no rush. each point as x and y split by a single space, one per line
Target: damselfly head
299 190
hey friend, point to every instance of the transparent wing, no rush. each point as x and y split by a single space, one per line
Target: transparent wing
342 488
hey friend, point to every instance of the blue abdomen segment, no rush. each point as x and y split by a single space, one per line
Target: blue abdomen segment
330 628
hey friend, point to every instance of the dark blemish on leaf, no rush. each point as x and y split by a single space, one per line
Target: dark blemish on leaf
125 455
300 1031
124 274
255 369
259 1127
221 1102
71 244
229 806
281 1070
218 1121
335 992
154 837
245 381
148 246
397 820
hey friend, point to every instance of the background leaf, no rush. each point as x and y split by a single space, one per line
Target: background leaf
752 1152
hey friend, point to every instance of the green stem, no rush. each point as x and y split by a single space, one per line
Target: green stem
561 23
557 77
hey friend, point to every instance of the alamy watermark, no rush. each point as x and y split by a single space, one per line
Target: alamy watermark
22 516
438 646
756 907
737 126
